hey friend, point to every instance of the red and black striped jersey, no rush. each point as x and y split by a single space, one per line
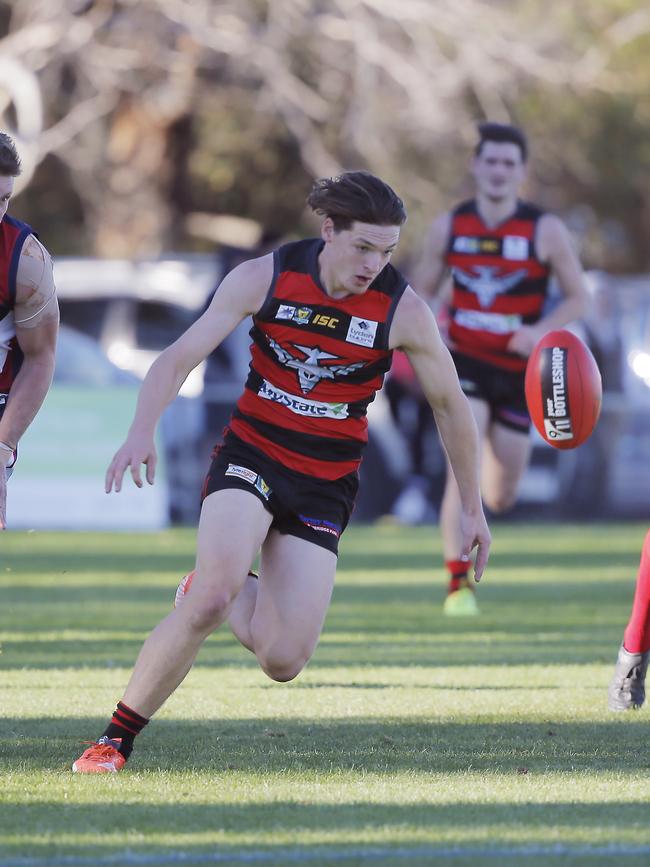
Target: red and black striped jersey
499 282
316 364
13 234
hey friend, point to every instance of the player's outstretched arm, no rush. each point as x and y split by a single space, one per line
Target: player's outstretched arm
241 293
414 330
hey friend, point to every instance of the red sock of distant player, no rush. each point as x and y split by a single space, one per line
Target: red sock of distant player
458 570
637 634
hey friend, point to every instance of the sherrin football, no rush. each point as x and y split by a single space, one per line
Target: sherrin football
563 389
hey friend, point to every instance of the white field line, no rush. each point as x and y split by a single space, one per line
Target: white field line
304 856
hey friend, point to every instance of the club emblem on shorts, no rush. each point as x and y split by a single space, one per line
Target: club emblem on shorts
309 370
486 283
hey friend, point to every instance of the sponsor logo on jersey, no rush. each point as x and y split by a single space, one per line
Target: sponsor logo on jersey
489 245
464 244
362 331
301 406
321 525
301 315
244 473
555 398
285 311
515 247
486 283
325 321
495 323
308 369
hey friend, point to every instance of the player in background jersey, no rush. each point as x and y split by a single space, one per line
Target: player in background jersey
500 253
627 687
29 322
327 313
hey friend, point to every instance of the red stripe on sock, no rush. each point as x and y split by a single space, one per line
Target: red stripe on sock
115 720
132 715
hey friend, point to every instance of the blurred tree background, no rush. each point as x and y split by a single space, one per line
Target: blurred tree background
157 125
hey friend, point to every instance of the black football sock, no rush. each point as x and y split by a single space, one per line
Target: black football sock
125 724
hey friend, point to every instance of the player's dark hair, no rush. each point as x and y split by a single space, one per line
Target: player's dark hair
500 133
356 196
9 159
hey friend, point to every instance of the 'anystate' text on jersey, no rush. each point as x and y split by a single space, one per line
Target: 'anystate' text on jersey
316 364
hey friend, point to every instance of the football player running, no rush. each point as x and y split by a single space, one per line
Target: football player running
501 253
327 313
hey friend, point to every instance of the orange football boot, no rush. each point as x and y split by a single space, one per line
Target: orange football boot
101 757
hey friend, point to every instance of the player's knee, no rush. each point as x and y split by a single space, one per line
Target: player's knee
209 612
499 501
283 667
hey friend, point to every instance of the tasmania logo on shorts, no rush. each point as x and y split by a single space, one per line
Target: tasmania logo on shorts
321 525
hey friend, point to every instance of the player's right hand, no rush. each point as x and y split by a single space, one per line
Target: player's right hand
138 449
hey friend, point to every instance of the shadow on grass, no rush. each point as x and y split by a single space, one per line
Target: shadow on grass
272 745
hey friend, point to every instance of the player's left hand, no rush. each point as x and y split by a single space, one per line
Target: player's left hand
524 340
475 534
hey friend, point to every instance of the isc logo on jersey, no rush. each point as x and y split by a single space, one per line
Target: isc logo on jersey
313 408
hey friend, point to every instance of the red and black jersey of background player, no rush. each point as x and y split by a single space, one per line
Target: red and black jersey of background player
316 364
13 234
499 282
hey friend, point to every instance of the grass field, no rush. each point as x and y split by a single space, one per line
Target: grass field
410 738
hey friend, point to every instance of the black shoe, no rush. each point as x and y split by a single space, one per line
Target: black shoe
627 687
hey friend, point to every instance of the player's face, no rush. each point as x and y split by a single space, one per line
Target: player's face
353 257
498 171
6 191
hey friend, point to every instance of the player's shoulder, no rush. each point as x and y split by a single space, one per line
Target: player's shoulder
246 286
412 319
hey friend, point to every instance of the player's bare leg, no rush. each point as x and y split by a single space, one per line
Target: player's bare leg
294 593
232 527
460 596
504 460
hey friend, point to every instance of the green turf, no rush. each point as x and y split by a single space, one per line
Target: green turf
482 741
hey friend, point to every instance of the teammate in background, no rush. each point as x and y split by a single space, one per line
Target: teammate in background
501 252
627 687
29 322
327 313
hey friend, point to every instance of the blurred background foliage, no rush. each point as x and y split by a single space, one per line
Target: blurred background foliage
164 125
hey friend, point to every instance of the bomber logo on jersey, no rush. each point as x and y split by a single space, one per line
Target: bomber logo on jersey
301 406
515 247
555 399
361 331
309 370
486 284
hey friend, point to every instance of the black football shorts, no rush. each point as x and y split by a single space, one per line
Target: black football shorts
503 390
316 510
